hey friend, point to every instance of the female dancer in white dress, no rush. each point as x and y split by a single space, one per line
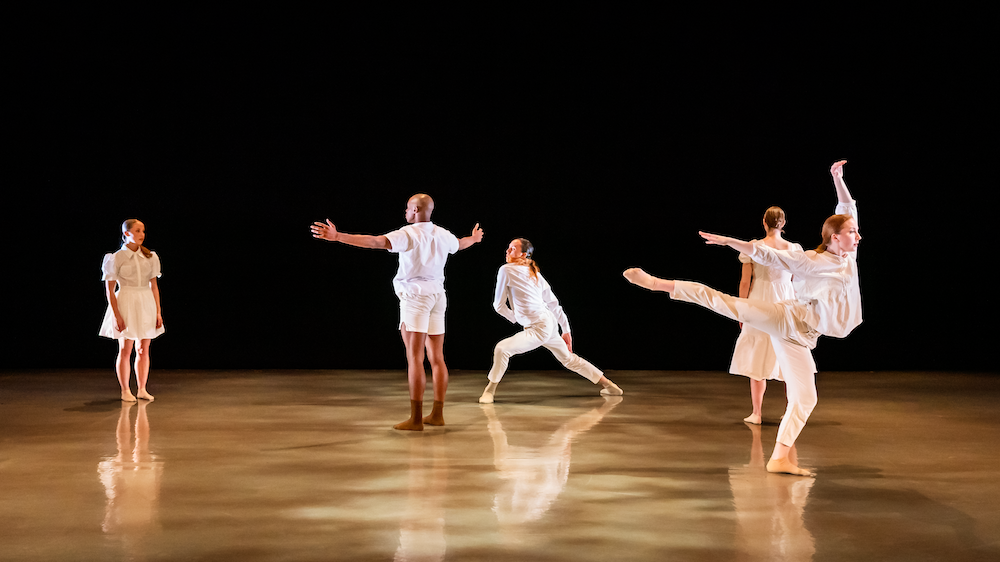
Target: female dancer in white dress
828 302
754 356
533 305
134 309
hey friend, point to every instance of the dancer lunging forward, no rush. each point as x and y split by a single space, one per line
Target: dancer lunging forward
828 302
423 249
533 306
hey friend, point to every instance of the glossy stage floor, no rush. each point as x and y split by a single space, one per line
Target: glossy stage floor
303 465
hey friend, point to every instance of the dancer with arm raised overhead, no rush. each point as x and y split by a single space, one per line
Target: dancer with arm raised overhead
828 302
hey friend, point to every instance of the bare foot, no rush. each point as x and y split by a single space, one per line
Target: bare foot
127 396
410 425
752 418
486 398
145 395
637 276
785 466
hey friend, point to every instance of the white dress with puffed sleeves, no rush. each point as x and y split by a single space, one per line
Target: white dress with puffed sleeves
753 355
133 272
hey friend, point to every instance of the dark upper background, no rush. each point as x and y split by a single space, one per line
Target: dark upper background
608 143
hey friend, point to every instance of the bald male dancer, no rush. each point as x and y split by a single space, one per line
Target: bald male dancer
423 249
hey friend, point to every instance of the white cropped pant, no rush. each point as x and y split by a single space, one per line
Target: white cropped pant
544 333
791 338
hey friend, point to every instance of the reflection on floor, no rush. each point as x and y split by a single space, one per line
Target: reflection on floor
303 465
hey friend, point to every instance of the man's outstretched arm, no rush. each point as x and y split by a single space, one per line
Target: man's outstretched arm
327 231
474 238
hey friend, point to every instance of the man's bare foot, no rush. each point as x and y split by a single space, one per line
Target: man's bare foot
145 395
637 276
785 466
752 418
127 396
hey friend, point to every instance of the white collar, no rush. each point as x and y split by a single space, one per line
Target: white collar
131 254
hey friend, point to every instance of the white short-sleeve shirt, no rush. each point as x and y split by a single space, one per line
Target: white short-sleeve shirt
423 249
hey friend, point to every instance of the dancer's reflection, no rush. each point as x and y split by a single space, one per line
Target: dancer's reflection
421 532
534 478
131 482
769 509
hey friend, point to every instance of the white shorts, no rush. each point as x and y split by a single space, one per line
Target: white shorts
423 313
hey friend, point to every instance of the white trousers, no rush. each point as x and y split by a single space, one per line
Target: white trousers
544 333
791 339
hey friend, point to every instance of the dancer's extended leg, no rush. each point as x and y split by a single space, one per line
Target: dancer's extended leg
789 337
581 366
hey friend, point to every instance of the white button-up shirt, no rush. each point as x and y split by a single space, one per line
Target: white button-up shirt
130 269
827 285
528 300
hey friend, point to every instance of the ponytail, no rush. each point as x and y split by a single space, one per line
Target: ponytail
528 250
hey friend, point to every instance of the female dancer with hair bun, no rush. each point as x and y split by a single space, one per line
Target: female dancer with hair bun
532 304
753 356
134 309
828 302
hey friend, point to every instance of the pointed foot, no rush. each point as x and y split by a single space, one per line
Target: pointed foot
612 390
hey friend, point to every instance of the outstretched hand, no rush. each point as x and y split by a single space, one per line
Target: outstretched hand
324 231
837 169
637 276
715 239
477 234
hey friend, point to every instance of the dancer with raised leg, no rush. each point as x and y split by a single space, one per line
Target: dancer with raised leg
828 302
423 249
533 305
133 313
753 356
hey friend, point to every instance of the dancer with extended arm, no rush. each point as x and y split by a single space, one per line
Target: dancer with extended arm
753 356
423 249
828 302
532 305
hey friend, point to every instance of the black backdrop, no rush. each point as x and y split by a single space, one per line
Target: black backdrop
608 145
